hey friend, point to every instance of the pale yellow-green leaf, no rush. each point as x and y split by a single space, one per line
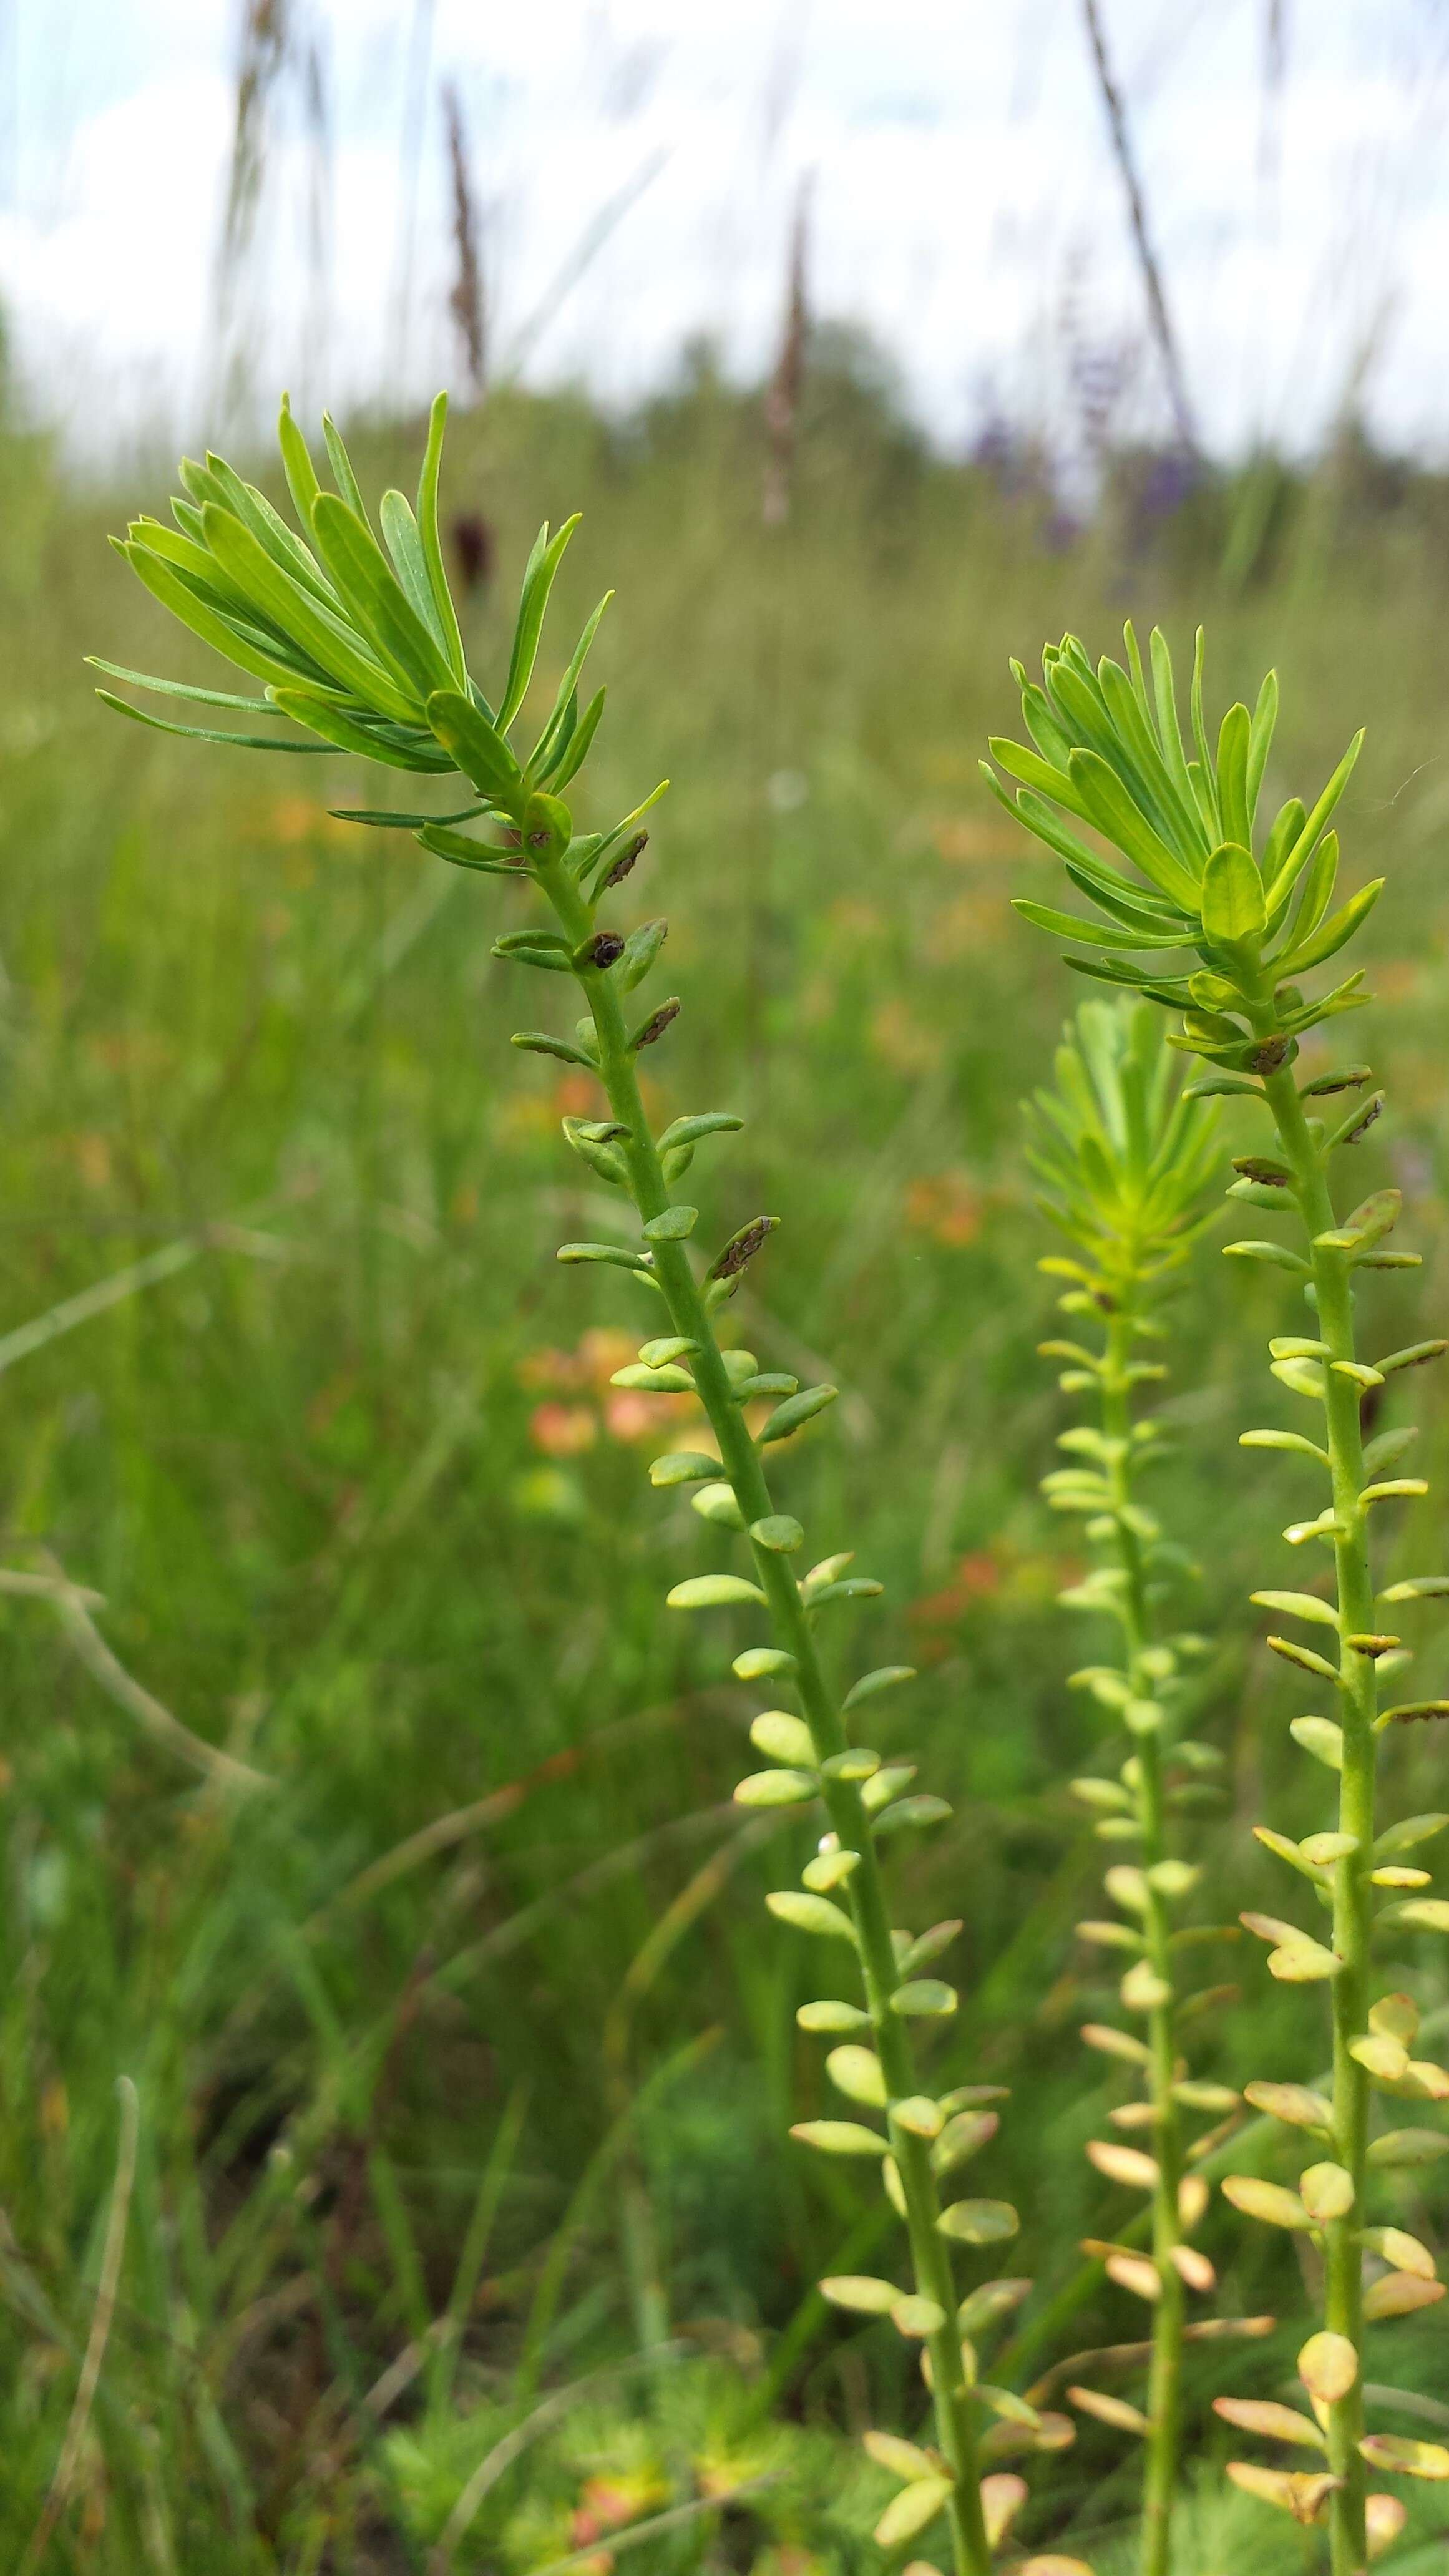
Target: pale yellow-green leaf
1328 2367
1173 1878
1409 2458
830 2015
979 2222
1381 2056
838 2137
783 1737
988 2304
811 1914
963 2138
1295 2104
1002 2497
856 2072
1322 1737
829 1869
917 2317
1399 2147
1421 2081
1301 2492
857 2291
924 1999
1192 2199
902 2459
1302 1963
1194 2268
1116 2043
1324 1849
1384 2519
1406 2254
1233 907
1265 2200
1326 2191
776 1788
1396 2018
1110 2410
1276 2423
1398 2294
911 2510
1143 1990
1005 2403
1127 1887
920 2115
1136 2273
712 1592
1123 2164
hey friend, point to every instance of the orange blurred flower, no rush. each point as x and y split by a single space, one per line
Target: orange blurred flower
613 2501
945 1206
900 1037
630 1414
294 819
960 928
963 839
977 1575
575 1095
563 1430
1012 1578
555 1370
601 1350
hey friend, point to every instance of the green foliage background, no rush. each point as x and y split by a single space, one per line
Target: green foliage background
354 1497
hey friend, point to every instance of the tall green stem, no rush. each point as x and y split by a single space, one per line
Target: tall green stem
865 1890
1164 2405
1256 908
1358 1697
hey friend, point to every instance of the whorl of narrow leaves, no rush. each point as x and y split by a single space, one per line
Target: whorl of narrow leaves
1256 908
1125 1163
1110 753
357 641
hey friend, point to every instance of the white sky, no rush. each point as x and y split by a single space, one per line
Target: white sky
965 207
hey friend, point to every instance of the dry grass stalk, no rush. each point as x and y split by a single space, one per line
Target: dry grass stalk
782 397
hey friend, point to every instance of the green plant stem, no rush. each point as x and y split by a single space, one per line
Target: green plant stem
1358 1698
865 1890
1164 2400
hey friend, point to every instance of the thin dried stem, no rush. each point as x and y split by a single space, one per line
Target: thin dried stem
112 2256
1152 280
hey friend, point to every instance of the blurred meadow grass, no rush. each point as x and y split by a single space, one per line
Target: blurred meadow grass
462 2053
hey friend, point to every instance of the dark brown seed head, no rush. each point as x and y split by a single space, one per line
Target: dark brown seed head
626 859
743 1247
604 949
1270 1055
655 1027
1365 1123
1352 1078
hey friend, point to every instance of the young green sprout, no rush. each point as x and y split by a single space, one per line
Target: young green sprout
1125 1163
358 642
1252 909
